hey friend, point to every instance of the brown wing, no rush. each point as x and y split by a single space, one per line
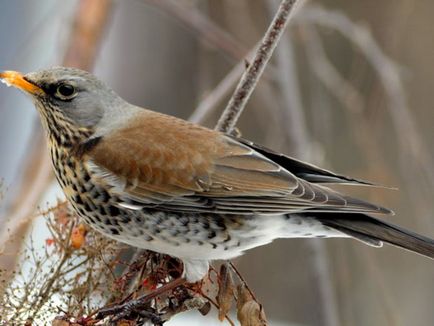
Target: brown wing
161 161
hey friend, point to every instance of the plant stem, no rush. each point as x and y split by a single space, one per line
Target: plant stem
252 74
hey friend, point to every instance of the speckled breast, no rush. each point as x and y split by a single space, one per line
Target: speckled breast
147 228
90 200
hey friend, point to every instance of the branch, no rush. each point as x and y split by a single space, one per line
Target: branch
88 28
251 76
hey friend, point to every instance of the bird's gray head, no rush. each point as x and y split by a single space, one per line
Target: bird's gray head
73 95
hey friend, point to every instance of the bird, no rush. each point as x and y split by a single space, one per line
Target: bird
164 184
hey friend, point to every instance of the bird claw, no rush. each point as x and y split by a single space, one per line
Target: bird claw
130 310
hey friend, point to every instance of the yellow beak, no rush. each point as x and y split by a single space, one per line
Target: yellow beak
16 79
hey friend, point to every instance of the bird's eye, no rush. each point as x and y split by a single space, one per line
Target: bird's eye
65 91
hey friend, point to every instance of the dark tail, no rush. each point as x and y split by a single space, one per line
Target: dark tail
374 231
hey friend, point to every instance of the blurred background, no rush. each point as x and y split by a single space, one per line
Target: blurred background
350 87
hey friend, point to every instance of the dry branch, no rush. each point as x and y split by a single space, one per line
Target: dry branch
251 76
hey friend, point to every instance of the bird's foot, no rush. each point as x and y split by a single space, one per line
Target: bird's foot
138 307
136 311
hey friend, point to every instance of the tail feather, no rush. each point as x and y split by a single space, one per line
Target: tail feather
373 231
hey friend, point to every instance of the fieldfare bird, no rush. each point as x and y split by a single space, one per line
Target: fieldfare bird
164 184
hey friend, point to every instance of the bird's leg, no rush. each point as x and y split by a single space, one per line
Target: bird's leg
125 309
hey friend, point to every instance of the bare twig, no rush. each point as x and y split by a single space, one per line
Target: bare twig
251 76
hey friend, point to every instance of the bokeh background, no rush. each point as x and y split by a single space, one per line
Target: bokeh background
350 87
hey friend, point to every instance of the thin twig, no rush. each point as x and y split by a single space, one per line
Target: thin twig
251 76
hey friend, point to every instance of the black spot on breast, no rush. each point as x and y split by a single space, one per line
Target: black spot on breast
102 210
114 231
78 200
205 225
183 220
104 196
211 234
86 177
221 223
87 207
113 211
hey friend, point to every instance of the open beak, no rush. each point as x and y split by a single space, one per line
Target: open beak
16 79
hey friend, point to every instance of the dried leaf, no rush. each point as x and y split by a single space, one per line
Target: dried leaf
225 296
249 311
78 236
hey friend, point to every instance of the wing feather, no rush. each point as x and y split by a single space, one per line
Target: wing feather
160 161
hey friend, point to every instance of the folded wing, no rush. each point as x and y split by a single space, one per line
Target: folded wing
167 163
